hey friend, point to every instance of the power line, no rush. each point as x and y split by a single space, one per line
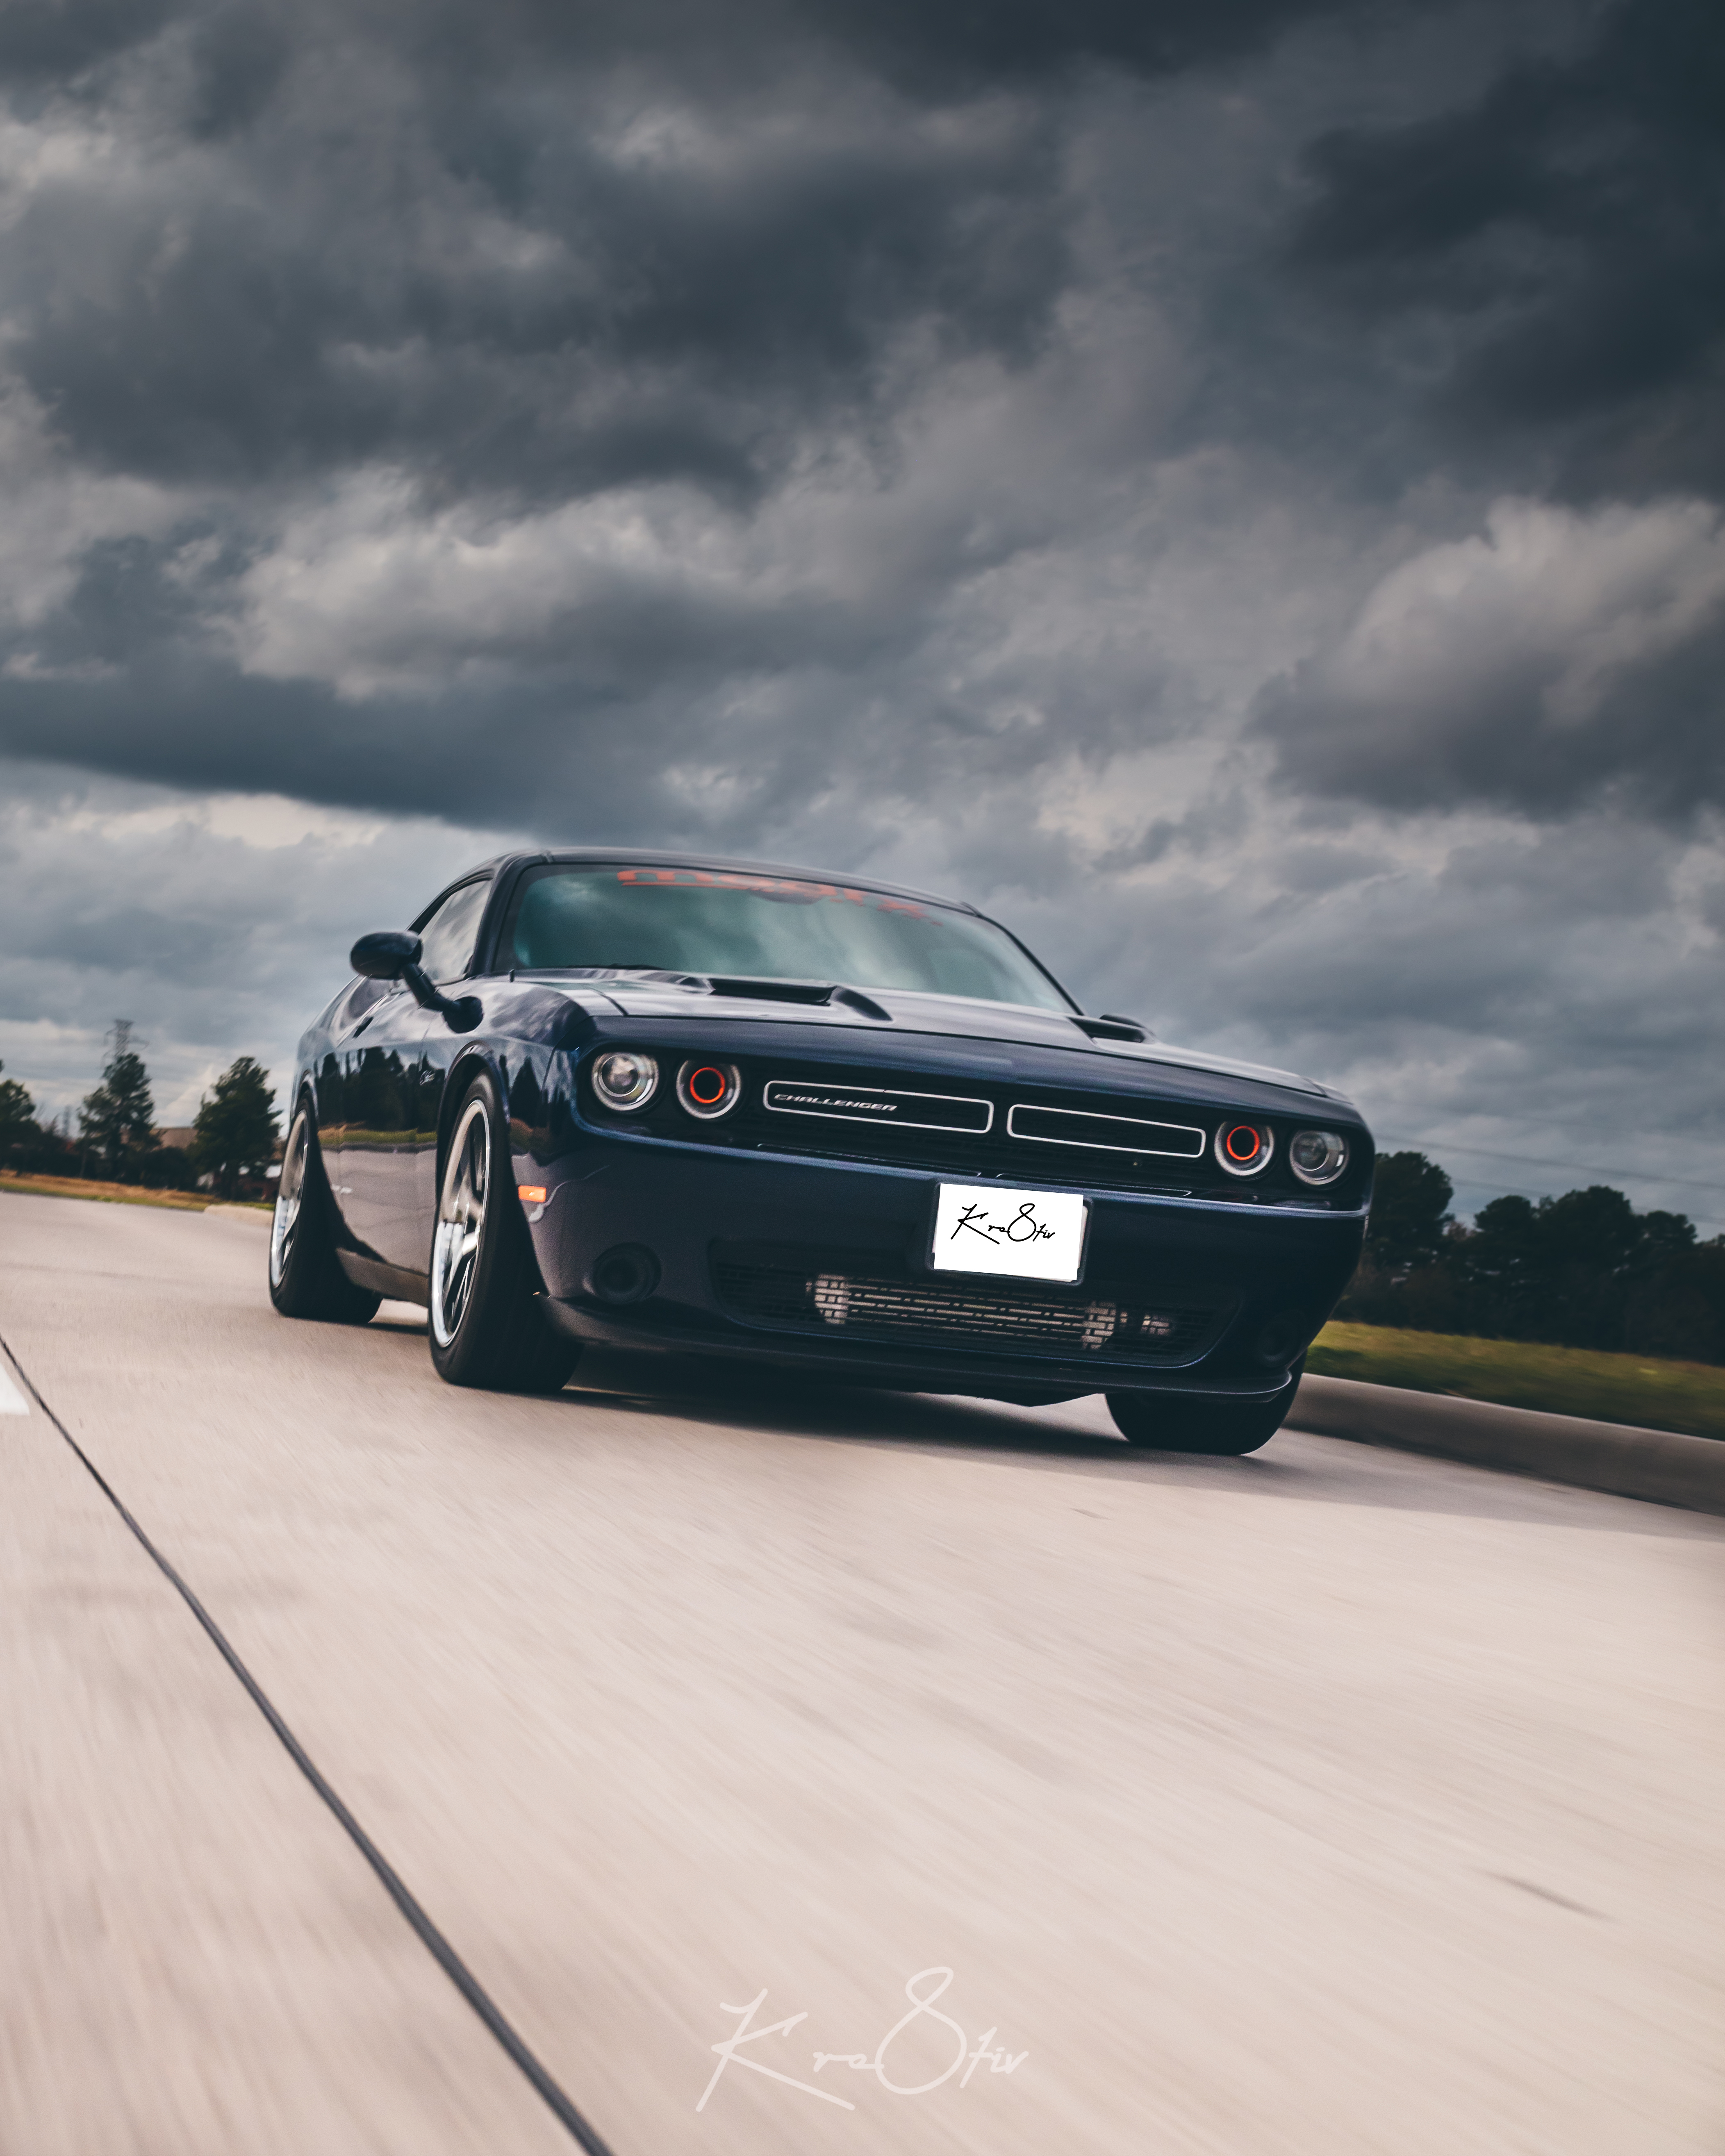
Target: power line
1568 1166
1703 1219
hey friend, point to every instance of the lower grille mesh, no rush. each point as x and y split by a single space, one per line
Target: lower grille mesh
979 1313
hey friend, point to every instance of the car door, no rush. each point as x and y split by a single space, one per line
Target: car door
352 1014
380 1059
447 937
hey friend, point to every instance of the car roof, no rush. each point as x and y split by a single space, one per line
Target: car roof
640 857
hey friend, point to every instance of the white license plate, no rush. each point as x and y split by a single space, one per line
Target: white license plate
1031 1234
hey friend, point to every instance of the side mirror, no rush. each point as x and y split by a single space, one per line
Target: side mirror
392 954
385 955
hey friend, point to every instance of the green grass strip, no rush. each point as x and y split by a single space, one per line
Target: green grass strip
1638 1390
104 1194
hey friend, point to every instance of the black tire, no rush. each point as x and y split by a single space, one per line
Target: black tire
306 1276
1164 1422
486 1327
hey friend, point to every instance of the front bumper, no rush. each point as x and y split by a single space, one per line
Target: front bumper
707 1216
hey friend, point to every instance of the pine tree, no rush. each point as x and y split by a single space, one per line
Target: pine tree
235 1132
1411 1211
17 1113
117 1121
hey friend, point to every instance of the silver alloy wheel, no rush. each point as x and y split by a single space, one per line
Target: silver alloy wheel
461 1221
290 1197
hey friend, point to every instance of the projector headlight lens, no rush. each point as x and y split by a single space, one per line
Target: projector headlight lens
1245 1148
1317 1157
708 1090
624 1079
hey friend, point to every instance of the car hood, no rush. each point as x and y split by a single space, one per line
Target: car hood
904 1011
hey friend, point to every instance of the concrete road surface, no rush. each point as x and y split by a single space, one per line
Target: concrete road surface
1323 1803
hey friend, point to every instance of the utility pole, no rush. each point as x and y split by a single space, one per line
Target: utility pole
118 1041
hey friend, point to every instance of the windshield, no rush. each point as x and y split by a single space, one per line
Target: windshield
708 921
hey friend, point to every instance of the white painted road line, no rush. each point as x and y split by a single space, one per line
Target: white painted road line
11 1400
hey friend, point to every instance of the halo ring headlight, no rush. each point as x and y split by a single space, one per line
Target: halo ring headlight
1317 1157
1244 1148
708 1090
624 1079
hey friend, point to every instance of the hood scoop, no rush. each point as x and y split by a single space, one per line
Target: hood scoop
798 992
766 988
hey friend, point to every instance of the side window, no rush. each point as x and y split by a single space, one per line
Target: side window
448 937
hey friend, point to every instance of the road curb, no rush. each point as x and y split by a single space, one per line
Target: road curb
1657 1464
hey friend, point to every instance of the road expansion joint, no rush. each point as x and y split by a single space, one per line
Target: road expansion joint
14 1401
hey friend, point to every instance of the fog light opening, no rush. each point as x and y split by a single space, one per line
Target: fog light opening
1280 1339
628 1273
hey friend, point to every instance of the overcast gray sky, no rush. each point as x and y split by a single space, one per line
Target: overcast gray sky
1233 486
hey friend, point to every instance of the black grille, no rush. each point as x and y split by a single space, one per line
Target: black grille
879 1106
878 1305
1104 1133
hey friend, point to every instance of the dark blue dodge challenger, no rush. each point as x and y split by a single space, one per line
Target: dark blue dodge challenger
849 1131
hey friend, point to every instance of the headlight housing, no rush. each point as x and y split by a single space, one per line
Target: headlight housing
708 1089
624 1079
1317 1157
1243 1147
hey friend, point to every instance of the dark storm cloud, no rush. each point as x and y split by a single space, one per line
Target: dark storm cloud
310 300
1655 742
593 737
1562 240
1558 659
58 40
930 51
524 258
1544 268
625 325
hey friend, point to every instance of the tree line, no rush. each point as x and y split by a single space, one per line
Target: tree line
233 1137
1581 1270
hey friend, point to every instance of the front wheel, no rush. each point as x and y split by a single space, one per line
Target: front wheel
486 1327
1164 1422
306 1276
